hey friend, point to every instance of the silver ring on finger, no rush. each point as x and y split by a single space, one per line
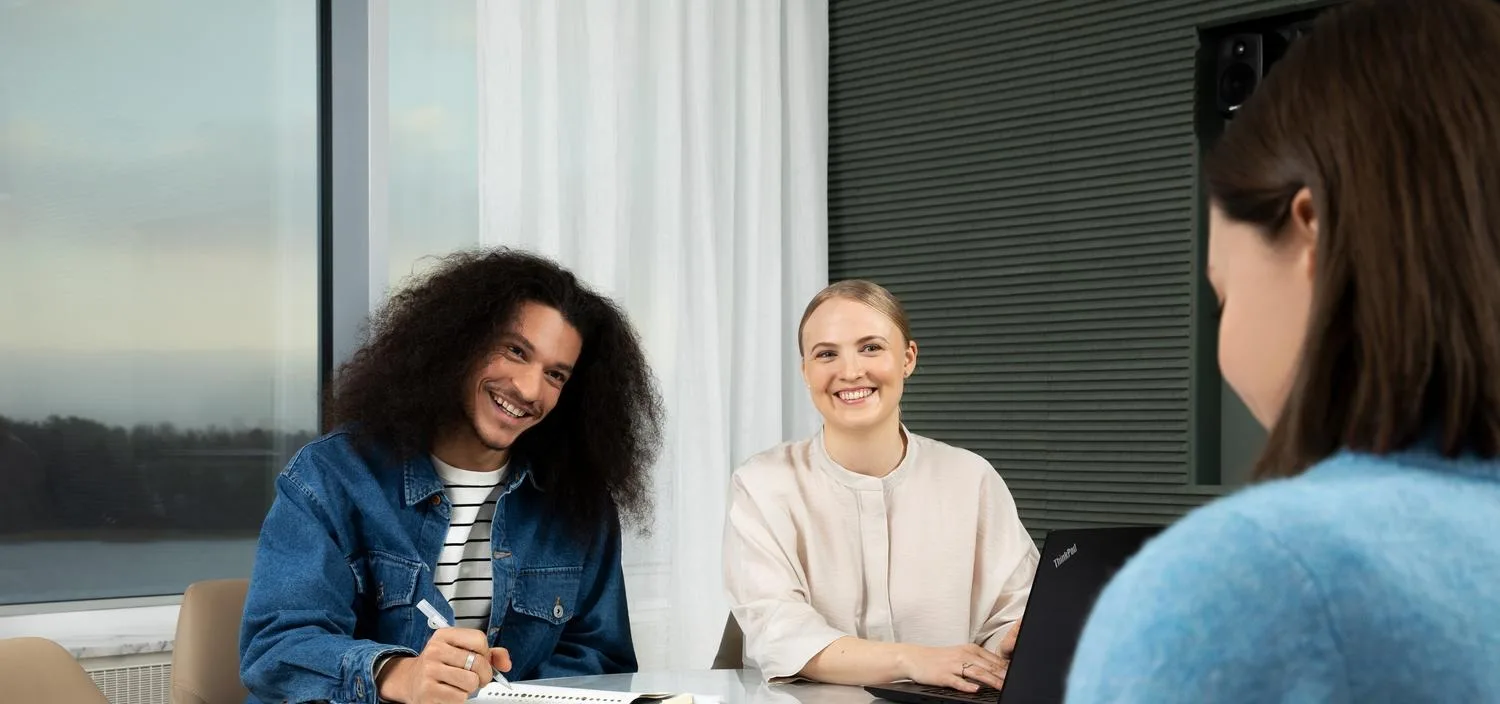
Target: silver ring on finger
469 662
966 666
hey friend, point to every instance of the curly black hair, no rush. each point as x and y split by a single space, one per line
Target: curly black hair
591 455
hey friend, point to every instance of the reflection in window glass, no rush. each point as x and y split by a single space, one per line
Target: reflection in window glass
158 295
434 142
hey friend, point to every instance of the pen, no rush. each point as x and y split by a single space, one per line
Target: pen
435 621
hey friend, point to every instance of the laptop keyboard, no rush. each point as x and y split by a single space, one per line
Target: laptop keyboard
985 695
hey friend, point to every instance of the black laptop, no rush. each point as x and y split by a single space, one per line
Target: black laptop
1075 566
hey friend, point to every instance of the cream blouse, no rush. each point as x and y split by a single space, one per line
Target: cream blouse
932 554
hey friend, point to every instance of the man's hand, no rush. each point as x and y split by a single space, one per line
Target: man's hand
962 667
438 675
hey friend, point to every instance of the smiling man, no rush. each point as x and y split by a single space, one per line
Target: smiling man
486 444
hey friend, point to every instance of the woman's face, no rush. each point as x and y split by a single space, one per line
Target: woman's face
1265 296
855 362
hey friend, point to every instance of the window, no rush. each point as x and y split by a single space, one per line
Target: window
158 273
434 137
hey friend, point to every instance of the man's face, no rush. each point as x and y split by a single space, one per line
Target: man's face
515 387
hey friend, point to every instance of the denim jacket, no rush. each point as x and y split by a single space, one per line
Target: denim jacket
348 549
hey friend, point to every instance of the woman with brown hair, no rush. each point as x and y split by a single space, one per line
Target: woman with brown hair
1355 252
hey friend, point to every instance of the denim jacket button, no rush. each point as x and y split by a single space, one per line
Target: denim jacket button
557 609
435 500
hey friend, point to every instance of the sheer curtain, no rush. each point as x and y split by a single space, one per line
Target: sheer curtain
672 153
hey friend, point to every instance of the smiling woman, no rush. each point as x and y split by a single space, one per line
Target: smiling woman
910 561
857 352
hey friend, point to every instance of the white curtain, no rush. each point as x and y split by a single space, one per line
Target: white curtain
673 154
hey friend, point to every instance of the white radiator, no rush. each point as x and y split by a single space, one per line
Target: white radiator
133 679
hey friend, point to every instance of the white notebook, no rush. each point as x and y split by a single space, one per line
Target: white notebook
538 694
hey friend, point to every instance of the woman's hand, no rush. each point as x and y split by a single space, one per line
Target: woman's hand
1008 643
455 663
962 667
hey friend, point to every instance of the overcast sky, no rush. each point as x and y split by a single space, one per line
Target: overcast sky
158 199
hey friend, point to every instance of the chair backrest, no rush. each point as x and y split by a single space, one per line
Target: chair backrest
39 671
731 655
206 653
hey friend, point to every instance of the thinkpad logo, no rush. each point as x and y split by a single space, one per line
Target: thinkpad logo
1071 551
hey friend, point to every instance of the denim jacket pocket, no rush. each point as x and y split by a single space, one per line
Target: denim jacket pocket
548 593
386 580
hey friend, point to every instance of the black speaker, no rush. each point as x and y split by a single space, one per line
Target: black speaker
1233 59
1240 65
1243 58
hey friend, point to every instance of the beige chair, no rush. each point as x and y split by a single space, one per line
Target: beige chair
38 671
206 654
731 655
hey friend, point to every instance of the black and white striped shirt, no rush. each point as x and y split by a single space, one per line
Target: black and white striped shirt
464 573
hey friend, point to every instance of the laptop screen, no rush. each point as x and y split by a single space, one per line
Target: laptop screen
1075 566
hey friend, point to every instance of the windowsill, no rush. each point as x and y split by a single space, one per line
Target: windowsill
97 633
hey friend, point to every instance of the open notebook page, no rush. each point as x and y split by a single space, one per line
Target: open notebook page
538 694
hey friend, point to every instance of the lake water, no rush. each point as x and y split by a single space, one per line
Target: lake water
69 570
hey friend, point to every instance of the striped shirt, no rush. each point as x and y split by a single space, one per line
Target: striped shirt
464 572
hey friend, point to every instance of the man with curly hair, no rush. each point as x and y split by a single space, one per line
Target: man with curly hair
485 446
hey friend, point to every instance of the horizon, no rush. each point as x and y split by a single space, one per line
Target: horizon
229 389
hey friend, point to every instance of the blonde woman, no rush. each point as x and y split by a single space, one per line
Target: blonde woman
867 553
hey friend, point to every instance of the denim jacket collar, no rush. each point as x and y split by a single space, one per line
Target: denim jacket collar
422 482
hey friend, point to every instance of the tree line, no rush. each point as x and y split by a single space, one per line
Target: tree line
77 478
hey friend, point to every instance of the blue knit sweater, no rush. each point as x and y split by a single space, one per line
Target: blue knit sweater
1366 579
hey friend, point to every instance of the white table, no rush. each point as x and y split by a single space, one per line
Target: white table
728 686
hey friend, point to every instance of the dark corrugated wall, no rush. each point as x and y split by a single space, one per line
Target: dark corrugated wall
1023 175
